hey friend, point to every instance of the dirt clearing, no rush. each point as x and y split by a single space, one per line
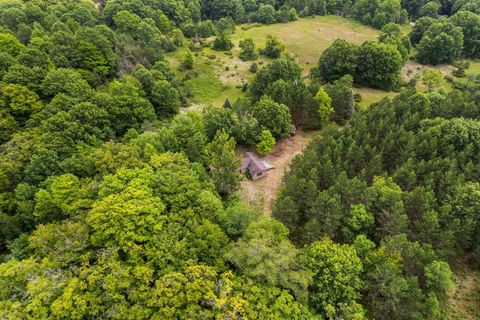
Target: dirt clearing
261 194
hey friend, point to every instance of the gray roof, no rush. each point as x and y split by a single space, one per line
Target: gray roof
255 164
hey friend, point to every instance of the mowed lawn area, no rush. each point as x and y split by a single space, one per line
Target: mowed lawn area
307 38
221 75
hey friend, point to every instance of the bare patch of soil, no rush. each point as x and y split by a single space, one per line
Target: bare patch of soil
412 68
234 71
261 194
464 303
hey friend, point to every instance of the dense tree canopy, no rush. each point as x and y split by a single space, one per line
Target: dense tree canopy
116 203
392 180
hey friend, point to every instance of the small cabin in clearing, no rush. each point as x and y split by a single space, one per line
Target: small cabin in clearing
257 167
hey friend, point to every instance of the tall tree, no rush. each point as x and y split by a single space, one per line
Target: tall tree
224 164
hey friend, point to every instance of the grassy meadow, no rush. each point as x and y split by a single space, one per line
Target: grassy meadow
222 77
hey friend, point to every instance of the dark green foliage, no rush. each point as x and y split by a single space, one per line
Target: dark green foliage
420 27
341 94
222 43
112 205
371 169
378 13
379 65
470 24
266 14
392 34
279 69
218 119
248 50
272 116
273 47
165 99
441 43
430 9
339 59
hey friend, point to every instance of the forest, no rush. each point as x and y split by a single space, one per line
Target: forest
120 200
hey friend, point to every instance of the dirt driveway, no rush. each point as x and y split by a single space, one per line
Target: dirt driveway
261 194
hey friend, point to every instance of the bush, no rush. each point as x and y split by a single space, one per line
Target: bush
253 68
273 47
222 43
459 73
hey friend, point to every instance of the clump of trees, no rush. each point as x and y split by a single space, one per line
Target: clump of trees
446 40
400 214
376 64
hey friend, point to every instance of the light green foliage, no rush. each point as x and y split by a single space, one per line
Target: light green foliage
248 50
113 206
325 109
65 196
359 220
439 279
273 117
224 164
17 104
127 220
10 45
65 81
388 208
336 277
62 243
187 62
266 142
432 79
189 132
391 295
265 254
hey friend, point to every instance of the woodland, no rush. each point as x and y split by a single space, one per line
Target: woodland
118 200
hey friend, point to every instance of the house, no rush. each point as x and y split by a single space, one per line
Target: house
257 167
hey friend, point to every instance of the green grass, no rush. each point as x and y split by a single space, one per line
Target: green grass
206 86
370 96
306 38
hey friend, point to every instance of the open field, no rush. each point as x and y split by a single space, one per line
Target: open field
221 77
307 38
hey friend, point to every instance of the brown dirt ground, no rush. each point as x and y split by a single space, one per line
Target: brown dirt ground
261 194
464 303
413 68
